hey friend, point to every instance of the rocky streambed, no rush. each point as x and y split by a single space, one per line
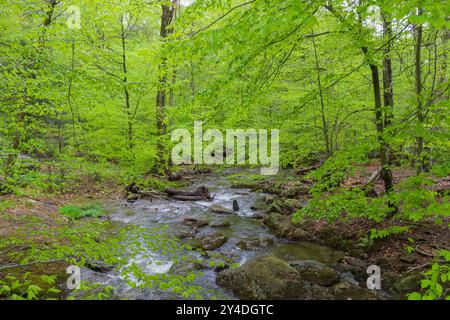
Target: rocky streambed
255 262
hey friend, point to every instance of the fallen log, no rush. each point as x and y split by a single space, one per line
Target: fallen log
152 194
190 198
201 193
308 169
373 177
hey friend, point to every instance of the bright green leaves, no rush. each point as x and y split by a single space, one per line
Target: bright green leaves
87 211
384 233
27 286
435 279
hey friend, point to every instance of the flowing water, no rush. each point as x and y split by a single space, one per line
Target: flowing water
171 213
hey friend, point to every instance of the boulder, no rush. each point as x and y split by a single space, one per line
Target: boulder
355 266
218 208
320 293
294 204
315 272
283 228
286 207
280 206
184 235
210 242
295 190
407 284
221 225
255 244
192 222
264 278
235 206
408 258
132 197
345 290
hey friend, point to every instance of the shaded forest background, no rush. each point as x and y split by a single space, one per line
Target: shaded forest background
98 100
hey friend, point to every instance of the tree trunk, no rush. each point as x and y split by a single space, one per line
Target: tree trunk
418 79
328 146
388 95
380 114
166 19
126 91
386 173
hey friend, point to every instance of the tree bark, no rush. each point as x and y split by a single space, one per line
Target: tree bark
418 79
328 146
388 95
166 18
386 173
125 89
380 114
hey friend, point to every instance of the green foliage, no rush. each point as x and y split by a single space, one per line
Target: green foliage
435 284
84 241
341 203
6 204
77 106
29 287
337 168
413 197
384 233
417 201
86 211
245 180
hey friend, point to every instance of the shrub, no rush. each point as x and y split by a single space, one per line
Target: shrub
87 211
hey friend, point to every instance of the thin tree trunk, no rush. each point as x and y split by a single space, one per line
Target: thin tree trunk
166 19
388 95
386 173
322 104
418 79
125 89
69 95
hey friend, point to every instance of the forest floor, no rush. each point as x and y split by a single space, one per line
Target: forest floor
400 253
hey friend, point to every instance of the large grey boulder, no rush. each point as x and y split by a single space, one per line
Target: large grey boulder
265 277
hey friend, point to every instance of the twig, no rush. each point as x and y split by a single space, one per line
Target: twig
29 264
423 253
14 247
428 264
221 17
419 267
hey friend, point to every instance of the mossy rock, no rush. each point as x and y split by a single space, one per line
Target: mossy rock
210 242
345 290
315 272
255 244
407 285
263 278
283 228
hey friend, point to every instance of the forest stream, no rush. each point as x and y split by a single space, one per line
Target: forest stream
242 230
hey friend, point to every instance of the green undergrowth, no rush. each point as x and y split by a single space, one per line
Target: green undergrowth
75 212
45 250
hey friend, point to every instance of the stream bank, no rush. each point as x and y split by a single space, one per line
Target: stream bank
248 246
